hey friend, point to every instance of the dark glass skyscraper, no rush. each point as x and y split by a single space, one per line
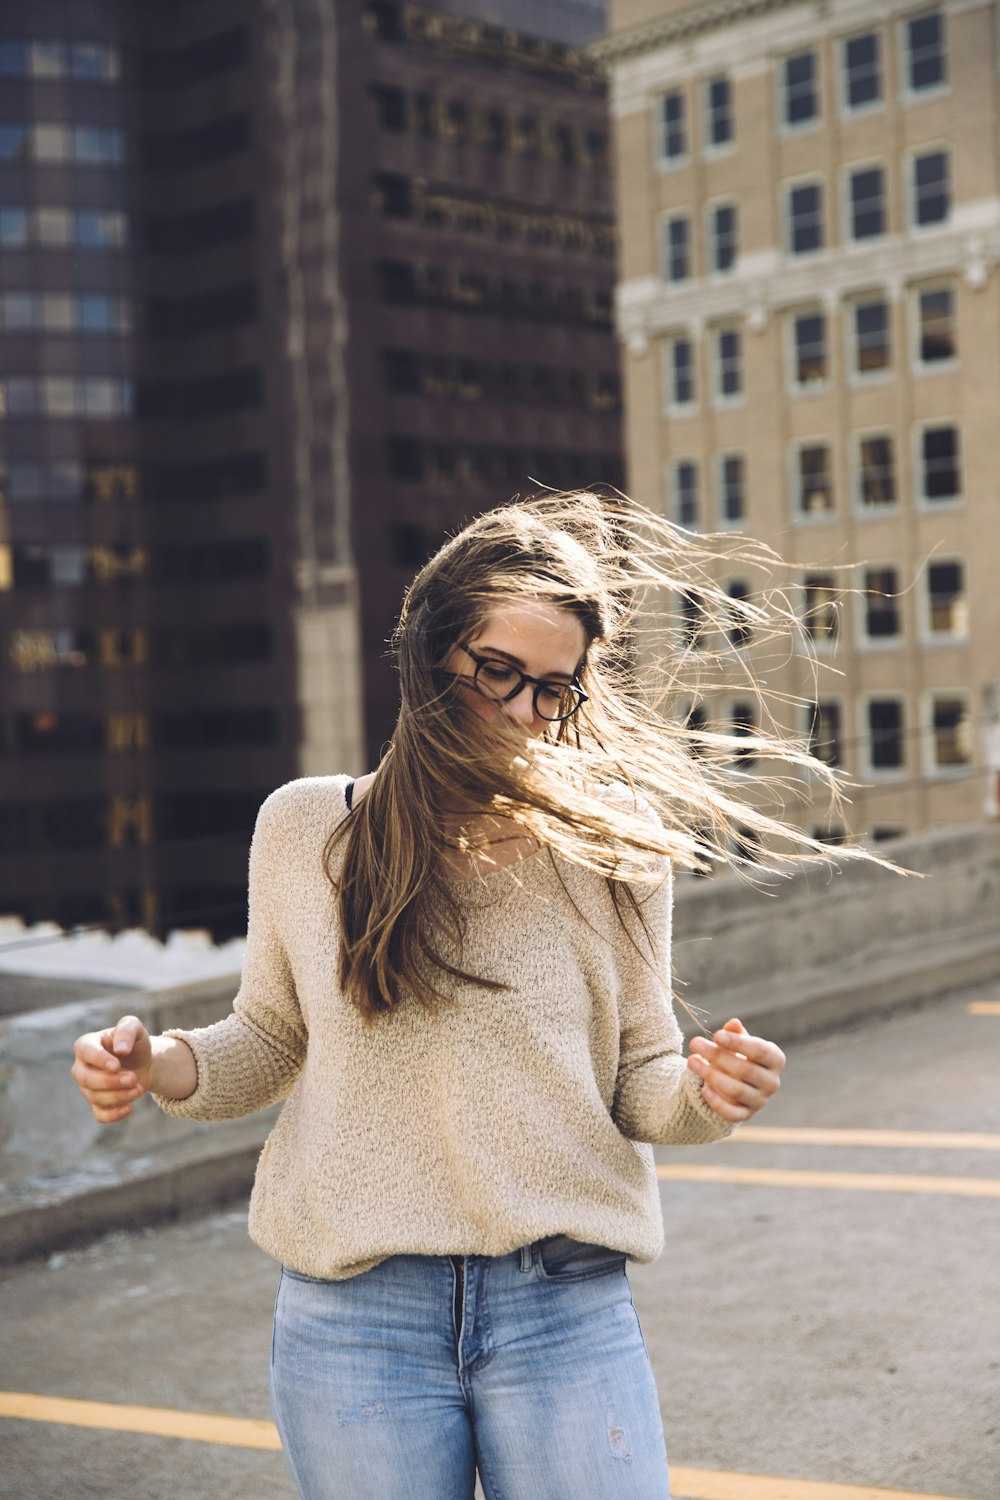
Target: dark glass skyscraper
289 289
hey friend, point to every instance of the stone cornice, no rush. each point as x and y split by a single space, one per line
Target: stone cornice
708 15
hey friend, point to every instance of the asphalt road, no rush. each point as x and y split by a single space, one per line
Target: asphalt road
832 1315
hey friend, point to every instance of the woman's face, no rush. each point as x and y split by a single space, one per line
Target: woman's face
533 637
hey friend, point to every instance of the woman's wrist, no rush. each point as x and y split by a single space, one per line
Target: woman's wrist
173 1072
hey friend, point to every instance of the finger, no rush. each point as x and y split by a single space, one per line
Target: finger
725 1107
730 1087
758 1077
126 1034
757 1048
111 1116
91 1051
104 1100
97 1079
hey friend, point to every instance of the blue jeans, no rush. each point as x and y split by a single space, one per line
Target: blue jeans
397 1383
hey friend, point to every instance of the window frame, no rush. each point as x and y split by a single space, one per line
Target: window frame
670 163
672 216
855 375
816 387
801 517
799 127
711 209
865 640
863 435
914 155
852 169
868 768
671 406
840 741
931 367
854 111
710 147
674 494
722 520
907 92
825 645
720 398
928 635
789 186
930 505
932 766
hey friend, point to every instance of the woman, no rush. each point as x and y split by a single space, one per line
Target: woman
457 977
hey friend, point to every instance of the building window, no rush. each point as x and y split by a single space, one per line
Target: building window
685 494
809 351
825 733
881 604
931 189
926 53
870 337
692 621
813 480
718 111
867 213
680 373
800 90
885 734
740 631
677 248
947 604
723 236
732 488
728 364
862 71
820 608
804 219
940 464
937 333
876 473
673 127
742 727
951 731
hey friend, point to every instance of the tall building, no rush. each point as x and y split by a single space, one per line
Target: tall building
809 206
288 289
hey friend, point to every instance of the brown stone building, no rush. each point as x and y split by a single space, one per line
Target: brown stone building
809 207
289 289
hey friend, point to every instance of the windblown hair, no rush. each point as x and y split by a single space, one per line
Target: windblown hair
622 787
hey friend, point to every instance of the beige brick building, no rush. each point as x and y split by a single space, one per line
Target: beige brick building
809 304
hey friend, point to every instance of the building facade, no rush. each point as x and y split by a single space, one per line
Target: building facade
809 203
288 289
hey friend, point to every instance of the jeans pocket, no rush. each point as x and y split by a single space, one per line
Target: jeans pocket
561 1258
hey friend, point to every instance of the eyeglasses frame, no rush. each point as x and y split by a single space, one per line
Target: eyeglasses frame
537 682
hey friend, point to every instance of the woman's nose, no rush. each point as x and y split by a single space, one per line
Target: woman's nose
521 707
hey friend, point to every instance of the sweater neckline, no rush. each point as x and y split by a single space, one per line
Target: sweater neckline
467 884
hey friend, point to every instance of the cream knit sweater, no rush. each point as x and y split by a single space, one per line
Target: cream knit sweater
519 1114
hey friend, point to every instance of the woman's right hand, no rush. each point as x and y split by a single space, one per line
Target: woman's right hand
113 1068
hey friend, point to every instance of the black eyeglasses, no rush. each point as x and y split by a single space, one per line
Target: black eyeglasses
497 679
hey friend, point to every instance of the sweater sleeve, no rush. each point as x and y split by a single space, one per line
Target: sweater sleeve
251 1059
657 1098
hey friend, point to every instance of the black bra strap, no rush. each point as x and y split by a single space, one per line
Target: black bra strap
349 794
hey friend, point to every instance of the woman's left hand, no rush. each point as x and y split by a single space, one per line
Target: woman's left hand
739 1072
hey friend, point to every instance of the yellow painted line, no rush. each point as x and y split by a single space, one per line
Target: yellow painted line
984 1008
686 1484
236 1432
703 1484
781 1135
872 1182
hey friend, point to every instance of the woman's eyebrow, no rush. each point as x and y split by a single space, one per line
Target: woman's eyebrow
509 655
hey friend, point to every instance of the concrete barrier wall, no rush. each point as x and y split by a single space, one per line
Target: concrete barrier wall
814 950
731 934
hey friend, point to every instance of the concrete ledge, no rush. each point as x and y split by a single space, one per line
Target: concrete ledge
44 1214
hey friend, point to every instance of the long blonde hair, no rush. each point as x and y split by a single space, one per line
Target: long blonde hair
622 787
